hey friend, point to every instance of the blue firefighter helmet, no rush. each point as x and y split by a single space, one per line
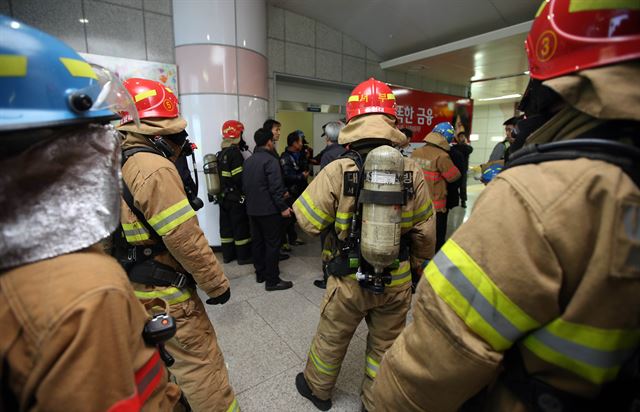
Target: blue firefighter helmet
491 172
45 83
446 130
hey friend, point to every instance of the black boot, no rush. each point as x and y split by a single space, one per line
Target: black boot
304 390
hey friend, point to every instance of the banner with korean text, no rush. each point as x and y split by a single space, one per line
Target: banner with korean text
420 111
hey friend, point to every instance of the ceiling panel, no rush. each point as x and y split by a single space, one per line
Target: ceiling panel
399 27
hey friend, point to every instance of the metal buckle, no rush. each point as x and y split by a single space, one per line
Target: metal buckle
131 254
242 199
181 280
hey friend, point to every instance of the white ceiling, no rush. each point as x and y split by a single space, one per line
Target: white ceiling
401 31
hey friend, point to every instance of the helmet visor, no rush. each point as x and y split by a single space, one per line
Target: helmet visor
113 95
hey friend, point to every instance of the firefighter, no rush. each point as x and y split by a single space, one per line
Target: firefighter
71 325
555 326
170 252
438 169
235 235
330 202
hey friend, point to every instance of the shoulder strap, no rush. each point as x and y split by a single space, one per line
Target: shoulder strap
128 196
624 156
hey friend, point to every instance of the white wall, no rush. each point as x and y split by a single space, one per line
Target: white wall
487 125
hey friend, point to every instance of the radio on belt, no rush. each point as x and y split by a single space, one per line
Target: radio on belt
157 331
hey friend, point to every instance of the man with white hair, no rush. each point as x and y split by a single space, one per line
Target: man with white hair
333 150
330 132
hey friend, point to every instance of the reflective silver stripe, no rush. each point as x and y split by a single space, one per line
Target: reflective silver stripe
400 276
489 313
590 356
313 214
423 213
149 377
175 215
135 232
343 221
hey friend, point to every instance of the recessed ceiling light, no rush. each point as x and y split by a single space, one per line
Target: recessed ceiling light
506 96
83 21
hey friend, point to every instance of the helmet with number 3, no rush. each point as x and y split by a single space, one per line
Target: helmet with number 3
572 35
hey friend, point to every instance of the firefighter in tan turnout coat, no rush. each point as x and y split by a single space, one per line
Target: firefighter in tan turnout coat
325 205
554 325
171 251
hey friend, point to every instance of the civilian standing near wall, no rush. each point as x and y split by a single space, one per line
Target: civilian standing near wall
331 152
266 207
295 172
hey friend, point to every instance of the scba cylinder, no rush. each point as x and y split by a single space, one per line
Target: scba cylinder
382 200
212 178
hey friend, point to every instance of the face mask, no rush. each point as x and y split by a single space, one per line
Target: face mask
59 196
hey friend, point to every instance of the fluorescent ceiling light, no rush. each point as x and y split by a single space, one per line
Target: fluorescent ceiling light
506 96
496 138
83 21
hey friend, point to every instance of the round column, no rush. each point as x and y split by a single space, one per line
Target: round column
221 48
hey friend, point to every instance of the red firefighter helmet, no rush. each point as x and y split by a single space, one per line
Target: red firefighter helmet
232 129
152 98
371 96
571 35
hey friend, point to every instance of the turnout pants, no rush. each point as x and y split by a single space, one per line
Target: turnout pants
235 235
199 367
267 238
345 304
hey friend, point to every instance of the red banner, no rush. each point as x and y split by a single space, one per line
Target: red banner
420 111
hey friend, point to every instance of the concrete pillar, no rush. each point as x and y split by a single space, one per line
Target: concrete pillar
221 48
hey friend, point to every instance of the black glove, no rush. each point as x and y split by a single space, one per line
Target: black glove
220 300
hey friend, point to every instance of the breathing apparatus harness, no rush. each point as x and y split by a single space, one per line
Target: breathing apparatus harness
229 190
349 258
138 260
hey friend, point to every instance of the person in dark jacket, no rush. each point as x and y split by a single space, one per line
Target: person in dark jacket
462 124
460 152
235 235
333 150
331 131
266 207
295 172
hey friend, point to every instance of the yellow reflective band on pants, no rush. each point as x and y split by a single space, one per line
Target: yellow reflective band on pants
465 287
371 369
171 295
242 242
135 232
593 353
226 240
322 366
172 217
234 406
343 220
315 216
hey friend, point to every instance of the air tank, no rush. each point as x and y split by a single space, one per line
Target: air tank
382 207
211 175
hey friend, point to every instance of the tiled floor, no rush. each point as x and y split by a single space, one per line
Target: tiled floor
265 336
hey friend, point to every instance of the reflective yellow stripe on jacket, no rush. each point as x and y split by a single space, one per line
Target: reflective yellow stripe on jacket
343 220
399 276
315 216
467 289
172 217
413 217
593 353
171 295
135 232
